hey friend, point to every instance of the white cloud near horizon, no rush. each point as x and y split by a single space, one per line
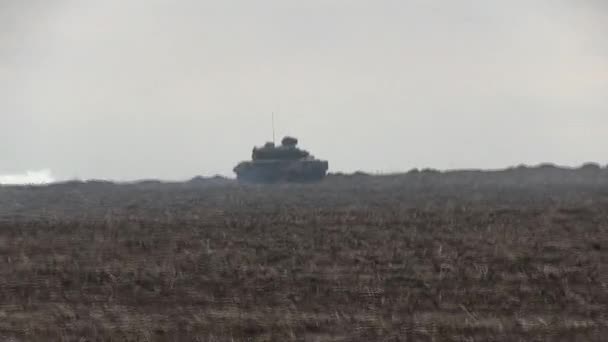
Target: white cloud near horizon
27 178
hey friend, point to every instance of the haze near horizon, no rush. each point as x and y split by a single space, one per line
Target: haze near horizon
172 89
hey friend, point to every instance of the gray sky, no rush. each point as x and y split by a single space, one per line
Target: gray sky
127 89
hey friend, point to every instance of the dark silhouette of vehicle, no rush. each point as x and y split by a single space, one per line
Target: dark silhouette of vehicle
284 163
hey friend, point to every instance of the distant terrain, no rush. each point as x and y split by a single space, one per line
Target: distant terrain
517 254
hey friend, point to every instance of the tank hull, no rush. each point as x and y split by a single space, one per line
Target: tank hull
271 171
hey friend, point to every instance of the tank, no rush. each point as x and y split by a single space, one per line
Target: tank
284 163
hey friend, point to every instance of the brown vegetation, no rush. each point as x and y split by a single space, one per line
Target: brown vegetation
353 258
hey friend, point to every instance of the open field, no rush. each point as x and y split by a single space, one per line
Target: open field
518 255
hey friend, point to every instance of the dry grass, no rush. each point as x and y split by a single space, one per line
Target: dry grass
339 261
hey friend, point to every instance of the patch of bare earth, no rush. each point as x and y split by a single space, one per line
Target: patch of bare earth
305 263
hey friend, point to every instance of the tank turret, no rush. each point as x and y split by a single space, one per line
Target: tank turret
286 162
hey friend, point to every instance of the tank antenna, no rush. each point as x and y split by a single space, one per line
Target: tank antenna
273 135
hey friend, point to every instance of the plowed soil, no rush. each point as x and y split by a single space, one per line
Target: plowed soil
421 257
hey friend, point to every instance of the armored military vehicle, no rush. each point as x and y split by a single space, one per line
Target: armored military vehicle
284 163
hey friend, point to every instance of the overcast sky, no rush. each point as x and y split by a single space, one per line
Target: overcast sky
127 89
